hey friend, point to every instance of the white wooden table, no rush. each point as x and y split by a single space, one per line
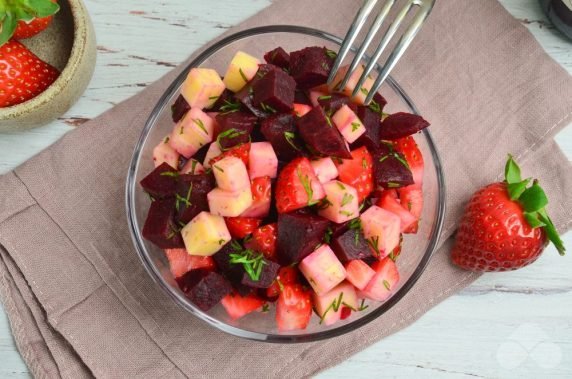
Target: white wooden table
510 325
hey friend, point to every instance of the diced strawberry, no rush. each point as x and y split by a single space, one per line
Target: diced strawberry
346 312
261 197
389 202
181 262
237 306
297 186
384 282
264 241
357 172
240 227
412 200
286 275
412 154
301 109
294 308
240 151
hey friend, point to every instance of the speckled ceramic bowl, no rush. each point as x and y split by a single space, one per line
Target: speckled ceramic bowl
69 45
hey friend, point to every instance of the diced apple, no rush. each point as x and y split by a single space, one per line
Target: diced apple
164 153
329 305
205 234
348 124
301 109
213 151
384 282
194 131
262 160
231 174
314 96
352 82
322 269
193 167
382 229
325 169
241 70
359 273
229 204
341 203
202 88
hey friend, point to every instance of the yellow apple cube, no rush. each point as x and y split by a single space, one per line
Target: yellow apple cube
205 234
231 174
241 70
202 87
352 82
229 204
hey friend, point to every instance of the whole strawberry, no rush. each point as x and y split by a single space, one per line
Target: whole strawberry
505 225
25 18
23 75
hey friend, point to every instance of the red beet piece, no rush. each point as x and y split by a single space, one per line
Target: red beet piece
378 103
278 57
179 108
390 169
225 102
192 193
267 276
231 271
161 182
280 130
311 66
351 245
321 135
371 120
160 227
298 236
331 103
234 128
204 288
301 98
274 92
246 95
399 125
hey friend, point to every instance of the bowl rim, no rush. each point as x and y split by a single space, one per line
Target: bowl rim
80 36
233 330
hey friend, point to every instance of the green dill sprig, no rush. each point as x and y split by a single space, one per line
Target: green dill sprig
201 125
306 183
252 262
230 107
267 108
290 137
230 134
334 305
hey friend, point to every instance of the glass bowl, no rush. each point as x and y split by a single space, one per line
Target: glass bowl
417 248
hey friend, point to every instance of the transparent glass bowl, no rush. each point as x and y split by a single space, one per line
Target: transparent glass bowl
417 248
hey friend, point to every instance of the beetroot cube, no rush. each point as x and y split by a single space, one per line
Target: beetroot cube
351 245
246 94
267 276
390 169
234 128
231 271
274 92
378 103
179 108
311 66
280 130
371 120
160 227
301 98
204 289
161 182
298 235
399 125
278 57
192 199
331 103
225 102
320 134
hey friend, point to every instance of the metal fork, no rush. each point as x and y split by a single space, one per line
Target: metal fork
422 7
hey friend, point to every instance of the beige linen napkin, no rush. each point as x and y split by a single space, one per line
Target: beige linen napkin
79 301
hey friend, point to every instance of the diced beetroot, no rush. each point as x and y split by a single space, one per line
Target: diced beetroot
238 306
378 103
205 289
226 102
181 262
267 275
311 66
390 169
301 109
351 245
294 308
179 108
234 128
371 121
323 269
331 103
246 95
329 305
161 182
318 131
160 227
280 130
274 92
278 57
399 125
384 282
298 236
359 273
300 97
164 153
231 271
195 187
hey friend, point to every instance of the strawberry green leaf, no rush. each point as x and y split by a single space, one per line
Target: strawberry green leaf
512 171
7 28
533 221
42 8
551 232
516 189
533 199
22 10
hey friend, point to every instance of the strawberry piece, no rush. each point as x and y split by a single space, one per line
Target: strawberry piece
264 241
240 151
297 186
408 147
346 312
27 30
294 308
286 275
238 306
389 202
357 172
240 227
412 200
23 75
181 262
261 189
